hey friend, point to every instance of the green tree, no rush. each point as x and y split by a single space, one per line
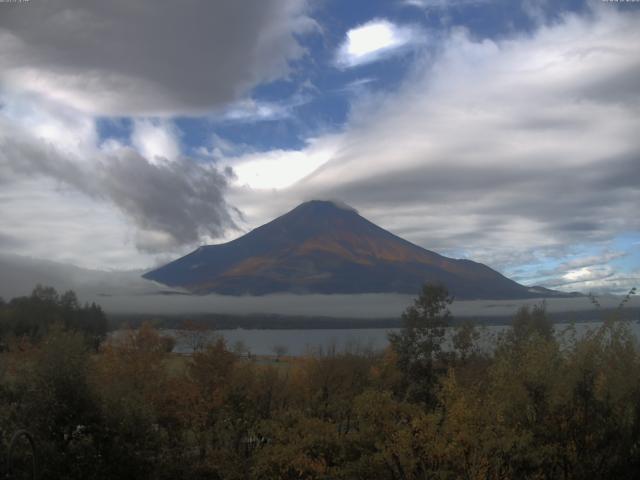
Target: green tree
34 315
419 343
464 341
530 321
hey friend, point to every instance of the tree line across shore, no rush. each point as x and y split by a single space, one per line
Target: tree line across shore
124 407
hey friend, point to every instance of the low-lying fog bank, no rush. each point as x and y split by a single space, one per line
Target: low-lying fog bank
127 293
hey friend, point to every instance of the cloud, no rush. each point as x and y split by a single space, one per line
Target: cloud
146 58
598 279
495 150
49 123
279 168
250 110
172 200
54 221
442 4
592 260
584 273
64 63
373 41
156 139
8 241
127 292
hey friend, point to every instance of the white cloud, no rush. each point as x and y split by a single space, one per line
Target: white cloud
251 110
583 274
49 122
279 169
600 278
156 139
442 4
61 224
373 41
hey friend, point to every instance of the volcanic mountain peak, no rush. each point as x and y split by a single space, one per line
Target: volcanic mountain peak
327 205
327 247
321 208
320 211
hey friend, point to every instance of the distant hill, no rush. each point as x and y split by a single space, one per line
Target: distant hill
326 247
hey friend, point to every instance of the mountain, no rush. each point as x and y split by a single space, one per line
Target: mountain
326 247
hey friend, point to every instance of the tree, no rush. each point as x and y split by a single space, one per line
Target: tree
419 343
57 403
464 340
240 348
195 335
69 300
130 379
209 372
279 351
34 315
531 321
45 294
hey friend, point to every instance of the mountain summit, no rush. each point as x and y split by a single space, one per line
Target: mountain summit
327 247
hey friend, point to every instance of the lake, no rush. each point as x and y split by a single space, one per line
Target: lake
301 341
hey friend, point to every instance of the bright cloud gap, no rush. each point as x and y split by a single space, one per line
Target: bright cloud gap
374 41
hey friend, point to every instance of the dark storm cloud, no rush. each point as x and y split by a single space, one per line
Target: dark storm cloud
126 57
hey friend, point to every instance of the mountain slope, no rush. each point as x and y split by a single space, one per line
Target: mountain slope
322 247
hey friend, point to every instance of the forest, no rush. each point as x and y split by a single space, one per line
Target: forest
537 406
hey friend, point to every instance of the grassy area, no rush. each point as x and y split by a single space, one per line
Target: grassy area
176 364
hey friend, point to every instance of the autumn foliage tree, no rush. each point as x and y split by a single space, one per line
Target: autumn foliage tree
543 402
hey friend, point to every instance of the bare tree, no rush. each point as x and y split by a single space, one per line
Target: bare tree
195 335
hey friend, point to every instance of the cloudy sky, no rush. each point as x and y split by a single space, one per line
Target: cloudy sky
505 132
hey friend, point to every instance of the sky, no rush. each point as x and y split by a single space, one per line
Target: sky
501 131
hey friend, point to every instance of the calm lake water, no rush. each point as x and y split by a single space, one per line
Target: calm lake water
300 342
